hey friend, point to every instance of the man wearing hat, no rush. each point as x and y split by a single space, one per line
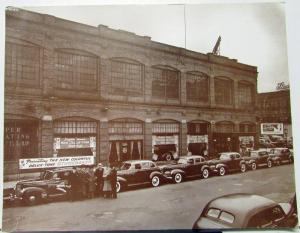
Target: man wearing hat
99 180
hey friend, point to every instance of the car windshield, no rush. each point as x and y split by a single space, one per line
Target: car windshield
224 156
182 161
125 166
47 175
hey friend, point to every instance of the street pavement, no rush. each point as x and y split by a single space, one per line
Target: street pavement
170 206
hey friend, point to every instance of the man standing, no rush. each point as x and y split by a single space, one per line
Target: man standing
113 181
99 180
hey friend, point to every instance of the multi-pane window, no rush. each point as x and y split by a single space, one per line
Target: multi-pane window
165 83
75 127
20 139
126 78
76 71
197 128
196 87
125 127
223 91
247 127
22 65
165 128
245 94
224 127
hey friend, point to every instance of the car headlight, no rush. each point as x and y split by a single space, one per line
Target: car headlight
167 172
212 167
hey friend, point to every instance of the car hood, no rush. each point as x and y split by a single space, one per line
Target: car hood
206 223
214 161
33 182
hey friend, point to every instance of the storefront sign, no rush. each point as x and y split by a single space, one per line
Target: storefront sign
272 128
162 140
55 162
197 138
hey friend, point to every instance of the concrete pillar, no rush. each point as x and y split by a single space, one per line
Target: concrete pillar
148 139
183 88
212 91
47 138
103 142
235 101
183 139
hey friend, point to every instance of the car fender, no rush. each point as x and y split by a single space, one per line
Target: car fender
204 167
221 165
121 180
242 162
38 190
155 173
177 171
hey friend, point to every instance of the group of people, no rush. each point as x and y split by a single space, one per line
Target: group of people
88 182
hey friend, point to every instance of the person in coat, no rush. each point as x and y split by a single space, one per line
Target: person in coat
99 180
107 184
113 180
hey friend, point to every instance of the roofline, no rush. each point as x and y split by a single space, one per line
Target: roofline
128 37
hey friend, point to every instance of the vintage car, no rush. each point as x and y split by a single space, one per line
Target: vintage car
238 211
137 172
186 166
258 158
227 162
281 155
51 184
165 152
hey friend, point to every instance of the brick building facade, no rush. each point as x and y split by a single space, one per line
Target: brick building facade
74 89
275 107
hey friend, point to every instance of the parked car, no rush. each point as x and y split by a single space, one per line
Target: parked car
266 143
165 152
186 166
246 211
51 184
137 172
281 155
258 158
227 162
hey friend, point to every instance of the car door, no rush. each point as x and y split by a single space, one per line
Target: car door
196 167
131 174
145 172
57 185
237 159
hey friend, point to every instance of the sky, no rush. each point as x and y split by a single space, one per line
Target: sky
255 34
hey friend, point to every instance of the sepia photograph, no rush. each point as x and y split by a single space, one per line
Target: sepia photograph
147 117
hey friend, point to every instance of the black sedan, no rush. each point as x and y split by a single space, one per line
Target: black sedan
137 172
247 211
259 158
187 166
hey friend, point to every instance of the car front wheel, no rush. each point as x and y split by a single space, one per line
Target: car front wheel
32 198
155 181
253 166
205 173
269 164
177 178
222 171
243 167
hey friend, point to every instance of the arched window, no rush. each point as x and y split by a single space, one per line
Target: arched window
165 83
245 94
224 127
223 91
76 70
126 77
197 87
22 63
247 127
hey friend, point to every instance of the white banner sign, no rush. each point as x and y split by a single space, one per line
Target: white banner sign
55 162
272 128
197 139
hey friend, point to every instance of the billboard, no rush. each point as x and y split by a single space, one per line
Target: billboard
271 128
